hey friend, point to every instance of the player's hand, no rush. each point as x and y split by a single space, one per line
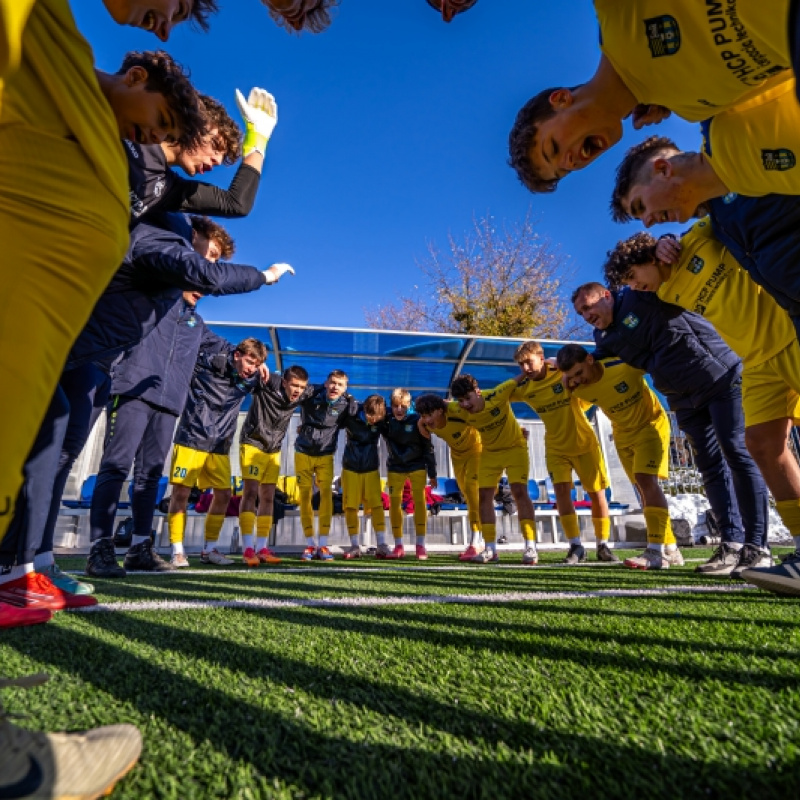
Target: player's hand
263 372
525 432
433 483
648 115
551 362
668 250
567 383
260 115
521 378
274 273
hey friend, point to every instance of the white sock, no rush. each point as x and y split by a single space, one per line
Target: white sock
177 548
354 541
380 537
737 546
323 540
491 547
15 572
261 544
659 548
138 540
420 541
41 561
247 540
310 541
209 546
670 548
575 540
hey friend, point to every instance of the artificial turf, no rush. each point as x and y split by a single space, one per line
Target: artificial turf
680 695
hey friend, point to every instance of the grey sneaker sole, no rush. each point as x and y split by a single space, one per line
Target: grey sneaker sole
773 582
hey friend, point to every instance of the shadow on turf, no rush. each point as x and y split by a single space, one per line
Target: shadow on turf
560 765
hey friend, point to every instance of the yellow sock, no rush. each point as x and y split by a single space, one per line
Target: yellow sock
247 522
378 519
571 526
602 528
263 526
789 512
489 533
528 528
177 526
351 518
214 524
659 528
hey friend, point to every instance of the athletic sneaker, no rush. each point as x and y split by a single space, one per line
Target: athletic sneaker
13 617
323 554
353 552
783 578
34 590
674 557
398 552
649 559
422 553
142 558
576 554
75 765
66 582
214 557
722 562
383 551
179 561
266 556
605 553
470 552
486 556
250 559
102 561
530 558
752 557
308 553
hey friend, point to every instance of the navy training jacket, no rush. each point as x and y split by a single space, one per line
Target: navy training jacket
158 267
320 422
687 359
408 449
361 450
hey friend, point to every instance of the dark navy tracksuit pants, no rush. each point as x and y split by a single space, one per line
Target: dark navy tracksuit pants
138 434
734 485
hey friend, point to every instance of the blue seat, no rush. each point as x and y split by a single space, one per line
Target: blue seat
533 489
447 486
163 483
85 498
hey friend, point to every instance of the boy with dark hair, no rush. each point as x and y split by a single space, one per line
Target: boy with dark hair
700 377
203 440
641 436
652 64
707 280
301 15
322 415
361 480
410 458
464 443
570 445
450 8
503 449
260 442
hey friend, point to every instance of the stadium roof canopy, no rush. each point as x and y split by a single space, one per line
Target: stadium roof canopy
378 361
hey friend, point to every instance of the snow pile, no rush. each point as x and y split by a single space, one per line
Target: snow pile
693 508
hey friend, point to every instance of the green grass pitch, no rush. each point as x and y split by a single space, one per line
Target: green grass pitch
577 693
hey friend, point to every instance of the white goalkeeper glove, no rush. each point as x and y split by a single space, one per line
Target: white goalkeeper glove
274 273
260 115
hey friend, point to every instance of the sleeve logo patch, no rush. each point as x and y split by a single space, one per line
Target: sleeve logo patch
557 388
630 321
495 412
695 265
779 160
622 387
663 35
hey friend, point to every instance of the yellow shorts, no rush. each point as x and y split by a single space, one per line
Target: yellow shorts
361 488
590 468
772 390
259 466
195 468
648 452
514 461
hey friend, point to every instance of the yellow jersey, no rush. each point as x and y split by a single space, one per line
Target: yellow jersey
566 429
625 398
754 147
48 84
462 439
696 58
709 281
496 423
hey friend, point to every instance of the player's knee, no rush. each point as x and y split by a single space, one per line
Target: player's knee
763 445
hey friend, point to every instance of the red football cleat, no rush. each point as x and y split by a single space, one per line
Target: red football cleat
398 552
35 590
13 617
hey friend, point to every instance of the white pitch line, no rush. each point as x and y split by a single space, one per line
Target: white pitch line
405 600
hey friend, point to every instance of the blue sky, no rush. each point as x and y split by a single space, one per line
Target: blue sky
392 133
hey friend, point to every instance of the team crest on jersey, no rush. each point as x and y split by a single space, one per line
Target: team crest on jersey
495 412
630 321
557 388
373 428
779 160
695 265
408 428
663 35
622 387
729 198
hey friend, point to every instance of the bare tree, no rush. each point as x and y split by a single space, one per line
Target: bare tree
505 282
